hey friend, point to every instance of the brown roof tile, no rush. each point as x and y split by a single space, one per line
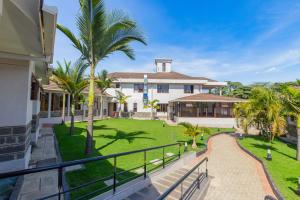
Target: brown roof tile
52 86
208 98
157 75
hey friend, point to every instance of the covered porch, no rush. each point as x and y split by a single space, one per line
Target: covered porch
205 110
56 105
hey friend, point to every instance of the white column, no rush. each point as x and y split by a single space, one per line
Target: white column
220 92
63 108
69 103
49 104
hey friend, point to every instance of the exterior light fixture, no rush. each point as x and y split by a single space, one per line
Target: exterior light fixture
269 155
202 136
185 146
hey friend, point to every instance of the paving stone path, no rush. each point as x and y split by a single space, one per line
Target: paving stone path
44 183
235 174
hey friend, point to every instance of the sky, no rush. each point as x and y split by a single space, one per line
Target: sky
227 40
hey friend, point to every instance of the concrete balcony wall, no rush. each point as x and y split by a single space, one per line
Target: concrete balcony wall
15 114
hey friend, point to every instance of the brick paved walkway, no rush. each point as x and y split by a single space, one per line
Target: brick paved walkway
235 175
44 183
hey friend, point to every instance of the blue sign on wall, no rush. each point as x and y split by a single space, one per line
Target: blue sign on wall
145 95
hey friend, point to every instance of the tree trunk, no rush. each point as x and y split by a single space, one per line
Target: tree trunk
298 144
72 116
89 136
120 110
152 114
101 107
194 145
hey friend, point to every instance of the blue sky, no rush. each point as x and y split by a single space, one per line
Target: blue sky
247 40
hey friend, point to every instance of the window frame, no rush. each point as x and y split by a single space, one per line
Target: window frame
189 90
163 107
138 90
162 90
135 106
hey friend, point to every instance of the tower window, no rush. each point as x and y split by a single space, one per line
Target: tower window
163 67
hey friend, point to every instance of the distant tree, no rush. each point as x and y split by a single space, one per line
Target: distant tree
70 78
122 100
103 82
194 131
153 105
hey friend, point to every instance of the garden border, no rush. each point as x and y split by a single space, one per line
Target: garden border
270 180
199 153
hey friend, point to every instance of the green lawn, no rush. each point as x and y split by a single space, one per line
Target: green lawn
284 168
114 136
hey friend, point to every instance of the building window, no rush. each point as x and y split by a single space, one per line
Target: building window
139 88
188 89
34 89
162 107
134 107
162 88
163 67
117 85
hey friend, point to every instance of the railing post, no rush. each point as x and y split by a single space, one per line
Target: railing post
145 165
179 150
206 171
60 181
115 174
198 180
181 191
163 157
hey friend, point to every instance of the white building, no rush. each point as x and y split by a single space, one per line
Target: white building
169 87
27 32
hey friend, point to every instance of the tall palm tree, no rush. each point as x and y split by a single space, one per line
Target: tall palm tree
192 131
291 100
122 100
70 78
103 82
100 34
153 105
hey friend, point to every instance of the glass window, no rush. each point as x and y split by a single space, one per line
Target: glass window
139 87
164 67
134 107
117 85
44 101
189 89
162 88
163 107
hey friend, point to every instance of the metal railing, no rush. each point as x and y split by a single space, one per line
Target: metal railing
195 184
60 167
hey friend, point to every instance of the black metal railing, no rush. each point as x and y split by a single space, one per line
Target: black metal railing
61 166
195 184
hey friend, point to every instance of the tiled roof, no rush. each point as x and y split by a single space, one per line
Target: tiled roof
157 75
52 86
208 98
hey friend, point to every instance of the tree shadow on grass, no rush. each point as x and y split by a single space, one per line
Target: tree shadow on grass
265 146
122 135
72 148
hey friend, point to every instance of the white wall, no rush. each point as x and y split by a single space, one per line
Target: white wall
15 78
159 67
175 91
209 122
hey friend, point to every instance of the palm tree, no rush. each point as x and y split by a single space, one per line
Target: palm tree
103 82
192 131
100 34
153 105
122 100
70 78
291 100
